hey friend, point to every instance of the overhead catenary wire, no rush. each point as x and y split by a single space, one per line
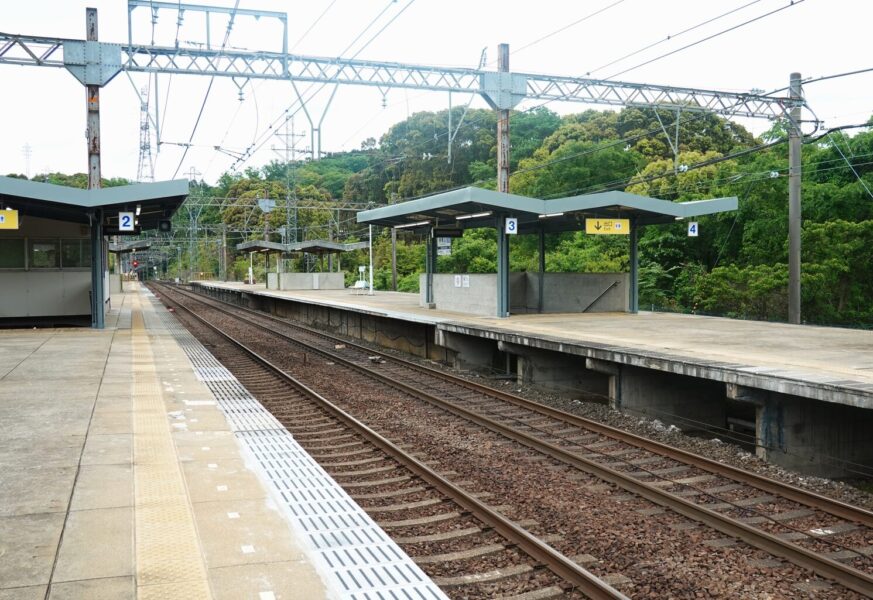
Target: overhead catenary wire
311 27
733 28
265 136
673 36
791 4
568 26
852 167
208 88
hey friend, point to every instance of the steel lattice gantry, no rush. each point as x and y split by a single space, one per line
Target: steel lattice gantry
502 89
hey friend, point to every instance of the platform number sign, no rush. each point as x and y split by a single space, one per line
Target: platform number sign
125 221
511 226
693 229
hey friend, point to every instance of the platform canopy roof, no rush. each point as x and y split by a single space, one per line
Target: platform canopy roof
134 246
472 207
310 246
156 200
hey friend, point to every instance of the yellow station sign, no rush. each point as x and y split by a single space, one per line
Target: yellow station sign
607 226
8 219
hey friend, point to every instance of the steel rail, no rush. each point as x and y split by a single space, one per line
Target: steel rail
845 575
789 492
540 551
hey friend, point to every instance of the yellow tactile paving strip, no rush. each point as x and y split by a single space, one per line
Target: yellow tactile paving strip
169 562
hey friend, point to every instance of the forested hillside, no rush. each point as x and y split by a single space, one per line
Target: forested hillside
736 267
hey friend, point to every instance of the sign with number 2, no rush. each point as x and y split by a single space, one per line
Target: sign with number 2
125 221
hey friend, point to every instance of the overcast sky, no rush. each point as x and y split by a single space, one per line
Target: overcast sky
44 108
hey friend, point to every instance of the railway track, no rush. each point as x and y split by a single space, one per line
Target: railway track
468 548
830 538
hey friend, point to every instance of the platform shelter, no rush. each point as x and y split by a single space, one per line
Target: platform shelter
303 281
53 257
450 213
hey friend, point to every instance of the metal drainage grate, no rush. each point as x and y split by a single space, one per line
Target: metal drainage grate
364 562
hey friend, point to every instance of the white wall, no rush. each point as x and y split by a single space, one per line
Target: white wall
563 292
306 281
45 292
479 298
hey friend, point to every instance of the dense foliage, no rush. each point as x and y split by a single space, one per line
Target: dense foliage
736 267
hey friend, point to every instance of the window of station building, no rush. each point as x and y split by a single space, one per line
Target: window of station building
44 254
75 253
12 253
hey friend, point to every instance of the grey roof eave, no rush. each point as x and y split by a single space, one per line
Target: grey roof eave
123 247
531 208
96 198
311 246
474 195
261 245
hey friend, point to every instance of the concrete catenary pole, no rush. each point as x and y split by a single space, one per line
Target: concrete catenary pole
92 104
503 127
92 96
794 206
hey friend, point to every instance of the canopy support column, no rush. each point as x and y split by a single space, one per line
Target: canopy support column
502 268
542 274
634 288
430 268
98 302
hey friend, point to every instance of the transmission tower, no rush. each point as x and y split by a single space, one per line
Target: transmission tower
146 169
288 153
27 151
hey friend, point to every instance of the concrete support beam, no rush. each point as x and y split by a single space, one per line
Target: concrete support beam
742 393
689 403
469 352
816 438
556 371
613 372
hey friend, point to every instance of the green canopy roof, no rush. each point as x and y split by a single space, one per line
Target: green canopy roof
156 200
476 207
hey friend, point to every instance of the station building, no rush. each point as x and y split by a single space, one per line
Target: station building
54 245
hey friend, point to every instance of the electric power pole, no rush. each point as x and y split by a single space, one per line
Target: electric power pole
92 94
794 208
503 127
92 104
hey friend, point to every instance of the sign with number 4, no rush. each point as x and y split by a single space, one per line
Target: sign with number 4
693 229
125 221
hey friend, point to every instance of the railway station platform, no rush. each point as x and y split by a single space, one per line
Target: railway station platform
124 473
804 392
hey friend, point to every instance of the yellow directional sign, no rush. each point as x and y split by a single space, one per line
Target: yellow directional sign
8 219
607 226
